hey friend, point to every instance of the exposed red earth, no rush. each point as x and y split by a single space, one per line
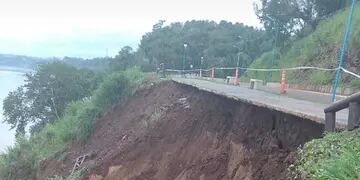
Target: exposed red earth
169 131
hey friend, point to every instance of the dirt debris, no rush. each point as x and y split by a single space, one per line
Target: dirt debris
170 131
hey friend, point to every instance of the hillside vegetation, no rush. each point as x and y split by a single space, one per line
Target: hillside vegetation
74 125
320 49
336 156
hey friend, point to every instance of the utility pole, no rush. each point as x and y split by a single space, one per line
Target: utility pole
238 60
343 51
274 53
201 65
184 59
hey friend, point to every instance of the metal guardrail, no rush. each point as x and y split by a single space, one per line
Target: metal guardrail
353 103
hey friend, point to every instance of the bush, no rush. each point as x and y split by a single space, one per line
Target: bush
19 160
321 78
336 156
110 90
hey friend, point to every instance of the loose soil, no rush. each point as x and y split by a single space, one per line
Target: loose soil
170 131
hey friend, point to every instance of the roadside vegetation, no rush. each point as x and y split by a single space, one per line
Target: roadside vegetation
336 156
319 49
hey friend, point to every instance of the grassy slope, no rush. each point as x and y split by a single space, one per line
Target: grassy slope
320 48
23 159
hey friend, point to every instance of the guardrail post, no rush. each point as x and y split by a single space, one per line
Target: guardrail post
330 121
354 116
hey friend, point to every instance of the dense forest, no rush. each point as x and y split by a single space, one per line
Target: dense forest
218 43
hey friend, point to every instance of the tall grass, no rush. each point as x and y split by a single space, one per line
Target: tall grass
74 126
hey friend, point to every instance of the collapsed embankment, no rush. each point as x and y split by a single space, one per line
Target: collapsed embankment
172 131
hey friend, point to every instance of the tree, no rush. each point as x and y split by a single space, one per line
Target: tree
124 60
285 18
45 95
281 18
218 43
16 110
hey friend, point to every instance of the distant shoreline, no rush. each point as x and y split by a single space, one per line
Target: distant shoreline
15 69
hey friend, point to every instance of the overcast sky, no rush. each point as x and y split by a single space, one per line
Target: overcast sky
86 28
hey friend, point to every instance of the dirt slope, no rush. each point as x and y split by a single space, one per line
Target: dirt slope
175 132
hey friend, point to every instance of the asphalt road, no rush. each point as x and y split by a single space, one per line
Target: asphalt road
307 109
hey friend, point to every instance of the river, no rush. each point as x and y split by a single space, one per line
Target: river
9 81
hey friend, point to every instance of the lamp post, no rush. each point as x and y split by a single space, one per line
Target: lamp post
184 59
238 60
201 63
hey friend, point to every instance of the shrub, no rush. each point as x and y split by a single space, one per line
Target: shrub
321 78
336 156
110 90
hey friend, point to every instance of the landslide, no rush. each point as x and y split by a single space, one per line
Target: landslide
176 132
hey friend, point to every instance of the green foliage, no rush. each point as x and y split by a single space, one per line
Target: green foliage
16 111
77 175
45 95
110 90
321 78
219 44
320 49
124 60
283 19
75 125
336 156
17 161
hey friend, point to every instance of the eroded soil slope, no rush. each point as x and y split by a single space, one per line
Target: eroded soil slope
175 132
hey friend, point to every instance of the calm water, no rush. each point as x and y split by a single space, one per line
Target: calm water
9 81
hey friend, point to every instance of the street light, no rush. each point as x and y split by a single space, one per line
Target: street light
238 54
238 60
185 46
201 63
